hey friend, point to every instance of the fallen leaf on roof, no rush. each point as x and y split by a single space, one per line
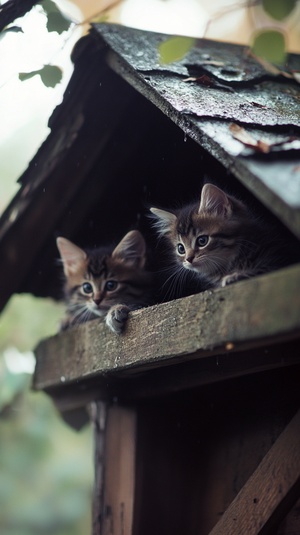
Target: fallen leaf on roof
208 81
291 143
239 133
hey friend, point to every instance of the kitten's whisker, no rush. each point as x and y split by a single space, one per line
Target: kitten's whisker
172 280
80 314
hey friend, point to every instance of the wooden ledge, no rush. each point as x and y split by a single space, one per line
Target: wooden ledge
251 314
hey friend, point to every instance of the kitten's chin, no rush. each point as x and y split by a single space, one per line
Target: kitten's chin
190 267
204 274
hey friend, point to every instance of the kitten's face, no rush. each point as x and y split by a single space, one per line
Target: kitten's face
98 279
205 237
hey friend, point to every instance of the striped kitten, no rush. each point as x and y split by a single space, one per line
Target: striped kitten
105 281
220 240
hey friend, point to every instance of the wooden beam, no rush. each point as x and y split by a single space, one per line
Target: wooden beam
252 313
119 472
270 491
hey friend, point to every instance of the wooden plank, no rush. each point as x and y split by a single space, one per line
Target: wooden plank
274 485
151 383
247 314
119 472
98 416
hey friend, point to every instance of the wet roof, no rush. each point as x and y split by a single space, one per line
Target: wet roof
217 84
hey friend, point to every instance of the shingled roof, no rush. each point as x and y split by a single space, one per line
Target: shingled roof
115 144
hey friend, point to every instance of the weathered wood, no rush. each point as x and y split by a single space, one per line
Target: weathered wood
119 474
198 448
247 314
98 416
274 485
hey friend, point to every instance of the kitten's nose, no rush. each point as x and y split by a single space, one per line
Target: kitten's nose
97 301
190 258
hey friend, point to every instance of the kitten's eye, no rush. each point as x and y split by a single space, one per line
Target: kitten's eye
202 241
111 285
87 288
180 248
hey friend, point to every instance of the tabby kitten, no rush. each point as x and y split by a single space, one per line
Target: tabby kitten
219 239
105 281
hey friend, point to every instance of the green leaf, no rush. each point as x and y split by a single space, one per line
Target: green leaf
270 45
57 22
50 75
279 9
49 6
175 48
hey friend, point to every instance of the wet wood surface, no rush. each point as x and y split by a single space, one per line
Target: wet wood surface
249 314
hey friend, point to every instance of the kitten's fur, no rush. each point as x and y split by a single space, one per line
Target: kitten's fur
105 281
220 240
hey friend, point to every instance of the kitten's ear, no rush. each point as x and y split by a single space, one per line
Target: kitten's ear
165 219
215 201
132 249
72 256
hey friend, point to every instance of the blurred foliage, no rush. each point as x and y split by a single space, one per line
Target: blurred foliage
56 21
26 320
46 467
50 75
279 9
269 44
175 48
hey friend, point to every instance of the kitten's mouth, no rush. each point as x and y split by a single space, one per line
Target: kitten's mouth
99 311
201 269
191 267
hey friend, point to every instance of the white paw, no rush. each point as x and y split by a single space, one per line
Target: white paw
234 277
116 318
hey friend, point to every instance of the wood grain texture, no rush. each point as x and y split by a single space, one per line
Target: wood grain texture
273 485
119 472
247 314
98 416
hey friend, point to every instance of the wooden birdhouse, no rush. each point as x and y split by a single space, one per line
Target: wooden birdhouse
195 407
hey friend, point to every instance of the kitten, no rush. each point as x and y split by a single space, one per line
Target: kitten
220 240
105 281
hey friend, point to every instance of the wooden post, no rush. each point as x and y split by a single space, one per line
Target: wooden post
98 414
115 437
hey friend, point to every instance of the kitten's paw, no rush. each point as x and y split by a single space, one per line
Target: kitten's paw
116 318
234 277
